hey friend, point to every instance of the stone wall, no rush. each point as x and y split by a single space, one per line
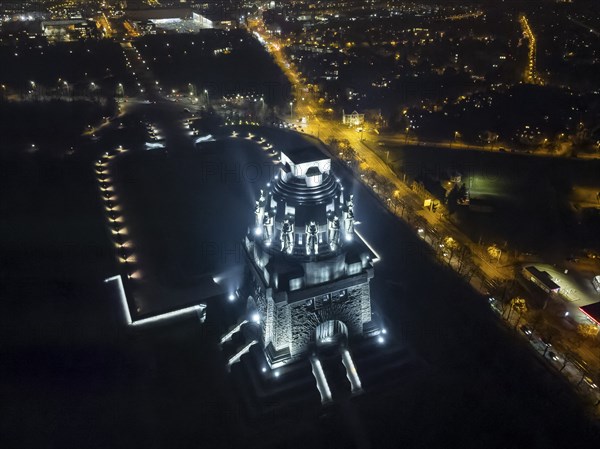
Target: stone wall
292 325
304 317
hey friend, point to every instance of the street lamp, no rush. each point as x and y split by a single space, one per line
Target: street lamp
291 111
207 97
456 136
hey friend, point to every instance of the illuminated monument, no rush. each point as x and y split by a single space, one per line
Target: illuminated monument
309 271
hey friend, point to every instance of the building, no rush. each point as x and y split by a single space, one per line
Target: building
541 278
593 312
21 8
159 14
596 283
354 119
68 29
308 270
179 20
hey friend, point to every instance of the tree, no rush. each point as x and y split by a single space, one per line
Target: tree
494 252
587 330
386 187
420 222
348 153
520 305
464 256
369 176
462 194
451 245
452 199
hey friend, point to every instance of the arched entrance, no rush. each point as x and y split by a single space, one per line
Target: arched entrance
330 332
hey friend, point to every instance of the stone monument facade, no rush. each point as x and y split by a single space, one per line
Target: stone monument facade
308 271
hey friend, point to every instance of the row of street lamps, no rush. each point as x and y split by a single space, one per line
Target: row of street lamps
119 232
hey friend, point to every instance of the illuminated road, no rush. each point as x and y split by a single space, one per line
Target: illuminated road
583 25
531 76
103 23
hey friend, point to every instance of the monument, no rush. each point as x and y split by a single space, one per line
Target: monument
308 271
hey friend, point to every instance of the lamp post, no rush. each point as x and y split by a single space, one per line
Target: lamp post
291 111
456 136
207 97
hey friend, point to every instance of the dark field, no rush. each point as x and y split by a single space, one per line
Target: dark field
49 65
53 126
519 196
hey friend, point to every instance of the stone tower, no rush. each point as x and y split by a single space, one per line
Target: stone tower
308 271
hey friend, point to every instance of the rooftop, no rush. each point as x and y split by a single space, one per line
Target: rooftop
305 154
592 311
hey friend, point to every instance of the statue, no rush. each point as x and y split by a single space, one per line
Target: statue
287 236
334 232
349 222
312 242
259 211
267 223
350 204
258 214
349 218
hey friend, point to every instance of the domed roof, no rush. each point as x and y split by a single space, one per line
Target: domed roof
296 191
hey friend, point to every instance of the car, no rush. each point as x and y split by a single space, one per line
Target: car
552 356
526 330
590 382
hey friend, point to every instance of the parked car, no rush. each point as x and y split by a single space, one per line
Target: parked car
526 330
